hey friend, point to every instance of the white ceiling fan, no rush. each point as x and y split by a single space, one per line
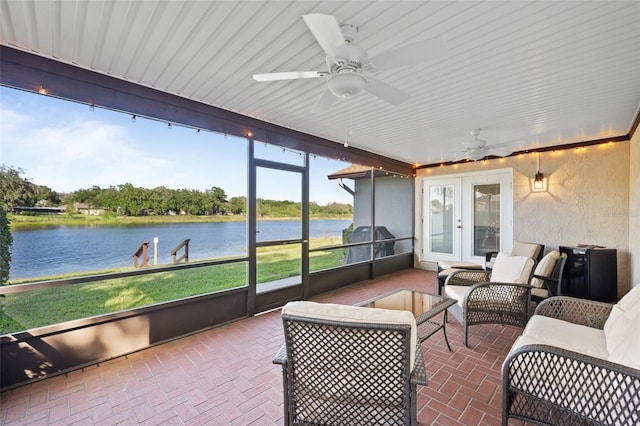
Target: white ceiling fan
477 149
349 65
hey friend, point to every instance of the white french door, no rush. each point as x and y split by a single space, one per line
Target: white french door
467 215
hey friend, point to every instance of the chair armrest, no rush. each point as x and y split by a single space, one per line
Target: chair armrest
578 311
545 383
495 296
281 356
467 278
543 278
419 372
489 258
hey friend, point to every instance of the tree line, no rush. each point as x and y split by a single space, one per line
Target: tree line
129 200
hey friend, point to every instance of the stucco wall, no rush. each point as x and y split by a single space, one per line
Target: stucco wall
587 202
634 208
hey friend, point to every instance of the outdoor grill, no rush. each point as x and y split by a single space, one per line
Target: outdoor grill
363 234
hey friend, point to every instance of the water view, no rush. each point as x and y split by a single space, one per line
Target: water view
65 249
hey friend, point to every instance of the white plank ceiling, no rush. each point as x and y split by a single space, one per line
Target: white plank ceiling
529 73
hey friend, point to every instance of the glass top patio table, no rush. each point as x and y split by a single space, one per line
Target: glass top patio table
423 306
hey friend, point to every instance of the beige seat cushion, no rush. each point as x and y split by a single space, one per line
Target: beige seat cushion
542 293
456 292
544 268
526 249
511 269
543 330
345 313
454 264
445 273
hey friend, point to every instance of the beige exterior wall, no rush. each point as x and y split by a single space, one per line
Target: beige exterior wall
587 202
634 208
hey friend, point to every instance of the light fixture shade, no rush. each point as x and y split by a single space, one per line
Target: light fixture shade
476 154
538 179
346 84
539 183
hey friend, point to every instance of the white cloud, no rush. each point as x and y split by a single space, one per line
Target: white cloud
81 154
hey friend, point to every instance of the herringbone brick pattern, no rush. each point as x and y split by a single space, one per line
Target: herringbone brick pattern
224 376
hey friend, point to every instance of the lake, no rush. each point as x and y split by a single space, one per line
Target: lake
64 249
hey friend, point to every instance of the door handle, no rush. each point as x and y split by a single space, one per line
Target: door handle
459 226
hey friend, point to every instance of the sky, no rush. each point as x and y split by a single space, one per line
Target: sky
69 146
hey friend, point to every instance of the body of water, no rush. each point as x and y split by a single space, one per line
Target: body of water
64 249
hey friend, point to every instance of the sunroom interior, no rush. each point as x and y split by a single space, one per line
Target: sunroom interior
553 88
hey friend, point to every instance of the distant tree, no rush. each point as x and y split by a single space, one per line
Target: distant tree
91 196
14 189
133 199
109 198
6 241
238 205
46 196
217 199
337 209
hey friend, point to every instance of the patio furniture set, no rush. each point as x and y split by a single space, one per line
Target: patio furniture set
577 361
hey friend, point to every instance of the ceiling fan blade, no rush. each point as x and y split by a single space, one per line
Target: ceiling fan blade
459 155
292 75
499 152
326 101
386 92
326 30
410 54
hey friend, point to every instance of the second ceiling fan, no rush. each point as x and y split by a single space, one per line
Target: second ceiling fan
349 66
477 149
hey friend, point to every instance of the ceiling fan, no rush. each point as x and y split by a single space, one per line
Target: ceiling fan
477 149
349 66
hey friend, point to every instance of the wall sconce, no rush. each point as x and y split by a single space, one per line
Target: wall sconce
539 183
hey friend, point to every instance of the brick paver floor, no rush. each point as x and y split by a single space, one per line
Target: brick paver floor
224 376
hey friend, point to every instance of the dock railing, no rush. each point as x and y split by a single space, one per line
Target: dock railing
143 251
185 256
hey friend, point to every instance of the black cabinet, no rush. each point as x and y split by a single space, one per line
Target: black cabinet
590 273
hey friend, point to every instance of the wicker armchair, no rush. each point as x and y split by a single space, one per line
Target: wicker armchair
547 384
483 301
353 365
549 285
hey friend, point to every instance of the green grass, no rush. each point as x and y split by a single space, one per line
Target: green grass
37 308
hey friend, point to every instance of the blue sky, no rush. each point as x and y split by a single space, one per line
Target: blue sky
68 146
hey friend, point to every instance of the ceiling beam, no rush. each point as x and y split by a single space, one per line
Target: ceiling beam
26 71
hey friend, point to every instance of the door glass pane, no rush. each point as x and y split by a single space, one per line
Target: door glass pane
441 219
278 205
278 266
278 221
486 218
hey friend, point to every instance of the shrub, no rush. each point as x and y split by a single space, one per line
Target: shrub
6 241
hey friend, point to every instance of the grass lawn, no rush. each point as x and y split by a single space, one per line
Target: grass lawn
38 308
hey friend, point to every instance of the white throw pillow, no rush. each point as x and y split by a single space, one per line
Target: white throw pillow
625 339
631 300
545 268
511 269
619 327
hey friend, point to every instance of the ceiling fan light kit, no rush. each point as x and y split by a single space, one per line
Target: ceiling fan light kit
346 84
